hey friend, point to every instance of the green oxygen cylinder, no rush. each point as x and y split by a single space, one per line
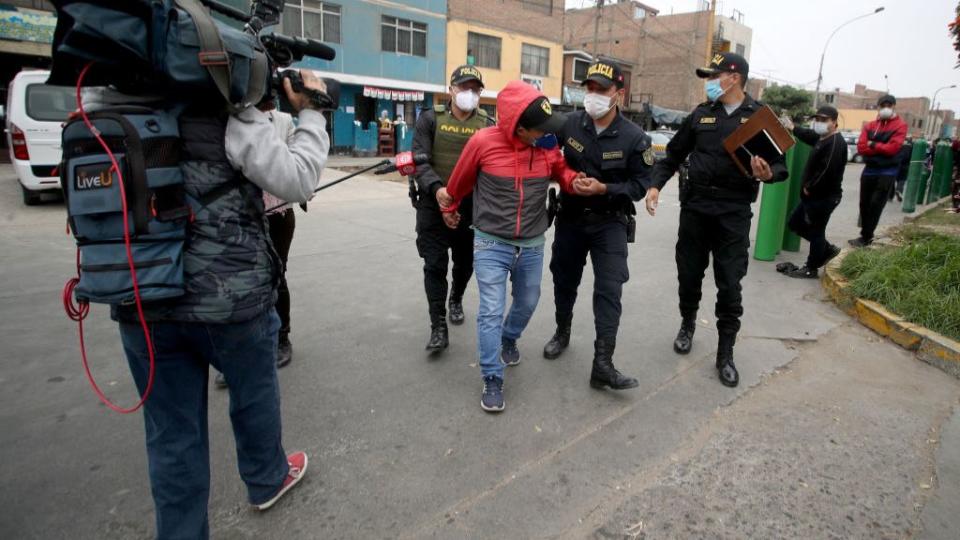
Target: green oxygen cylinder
915 176
939 164
796 162
944 173
773 212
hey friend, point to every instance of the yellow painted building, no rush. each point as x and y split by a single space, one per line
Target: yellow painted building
854 119
511 56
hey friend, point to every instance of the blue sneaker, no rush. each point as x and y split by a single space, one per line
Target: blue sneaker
509 354
492 399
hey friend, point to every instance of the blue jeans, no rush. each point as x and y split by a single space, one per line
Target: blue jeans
175 414
492 262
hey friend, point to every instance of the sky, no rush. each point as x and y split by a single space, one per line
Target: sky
908 42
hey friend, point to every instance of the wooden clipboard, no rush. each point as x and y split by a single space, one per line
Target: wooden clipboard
761 135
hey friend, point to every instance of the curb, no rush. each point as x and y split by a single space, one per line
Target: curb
931 347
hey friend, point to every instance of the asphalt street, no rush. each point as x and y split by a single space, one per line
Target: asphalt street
833 433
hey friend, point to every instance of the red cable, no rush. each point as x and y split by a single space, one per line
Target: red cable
80 311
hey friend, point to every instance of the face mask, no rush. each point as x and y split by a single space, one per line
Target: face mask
713 88
886 113
547 141
467 100
821 128
597 105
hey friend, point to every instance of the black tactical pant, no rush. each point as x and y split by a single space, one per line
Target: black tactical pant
282 225
726 237
809 220
437 244
873 199
605 239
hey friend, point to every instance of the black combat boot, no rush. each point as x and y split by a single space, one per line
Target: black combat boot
456 310
725 368
684 341
604 374
561 338
439 339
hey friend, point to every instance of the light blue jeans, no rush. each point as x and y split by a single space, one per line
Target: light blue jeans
493 262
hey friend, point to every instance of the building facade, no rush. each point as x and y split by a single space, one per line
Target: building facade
391 58
507 40
665 50
861 104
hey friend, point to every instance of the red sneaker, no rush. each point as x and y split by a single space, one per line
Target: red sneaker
298 466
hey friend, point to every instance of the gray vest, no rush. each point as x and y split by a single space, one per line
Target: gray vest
230 265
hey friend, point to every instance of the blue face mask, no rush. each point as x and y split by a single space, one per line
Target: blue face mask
713 88
547 142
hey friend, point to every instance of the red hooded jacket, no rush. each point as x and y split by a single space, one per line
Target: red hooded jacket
887 137
509 178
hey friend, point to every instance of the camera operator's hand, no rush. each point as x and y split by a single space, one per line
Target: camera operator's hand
299 101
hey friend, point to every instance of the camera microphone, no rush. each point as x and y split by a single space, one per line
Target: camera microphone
405 163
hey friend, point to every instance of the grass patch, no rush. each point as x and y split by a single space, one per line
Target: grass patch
920 280
939 216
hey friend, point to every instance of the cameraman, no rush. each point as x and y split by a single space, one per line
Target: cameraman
226 318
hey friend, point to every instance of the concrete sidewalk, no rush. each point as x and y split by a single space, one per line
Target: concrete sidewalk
828 421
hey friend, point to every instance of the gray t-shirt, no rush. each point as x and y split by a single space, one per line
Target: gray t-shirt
732 107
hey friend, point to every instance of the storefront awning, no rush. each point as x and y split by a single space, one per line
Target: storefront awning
667 116
392 95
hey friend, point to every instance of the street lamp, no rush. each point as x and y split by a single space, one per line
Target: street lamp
816 96
932 106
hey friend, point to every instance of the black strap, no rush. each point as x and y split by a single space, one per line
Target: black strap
219 191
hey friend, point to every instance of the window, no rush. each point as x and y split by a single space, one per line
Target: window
484 49
828 98
49 103
541 6
402 36
311 19
741 49
580 69
639 13
534 60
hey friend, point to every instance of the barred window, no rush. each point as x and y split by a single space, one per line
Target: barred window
402 36
534 60
484 49
311 19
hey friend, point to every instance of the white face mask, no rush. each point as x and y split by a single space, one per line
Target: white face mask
467 100
597 105
886 113
821 128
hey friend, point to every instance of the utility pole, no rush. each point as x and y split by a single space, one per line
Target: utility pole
596 30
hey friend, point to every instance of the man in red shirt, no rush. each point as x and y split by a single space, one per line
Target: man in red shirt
879 144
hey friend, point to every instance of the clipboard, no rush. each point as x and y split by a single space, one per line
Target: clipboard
762 135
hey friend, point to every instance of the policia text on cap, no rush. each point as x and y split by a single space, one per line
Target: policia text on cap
715 204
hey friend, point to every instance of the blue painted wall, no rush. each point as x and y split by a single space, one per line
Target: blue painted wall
359 54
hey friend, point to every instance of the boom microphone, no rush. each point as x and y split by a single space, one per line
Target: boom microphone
404 162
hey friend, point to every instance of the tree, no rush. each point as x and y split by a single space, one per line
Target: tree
795 102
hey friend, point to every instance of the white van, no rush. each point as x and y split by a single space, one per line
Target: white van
35 116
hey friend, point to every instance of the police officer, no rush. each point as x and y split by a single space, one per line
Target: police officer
441 132
602 144
715 203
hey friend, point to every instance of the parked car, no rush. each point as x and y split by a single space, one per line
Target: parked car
852 154
659 140
34 122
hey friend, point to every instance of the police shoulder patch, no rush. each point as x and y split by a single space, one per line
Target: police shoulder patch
744 119
649 157
575 144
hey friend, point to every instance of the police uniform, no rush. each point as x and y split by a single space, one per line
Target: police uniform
442 136
620 157
715 213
